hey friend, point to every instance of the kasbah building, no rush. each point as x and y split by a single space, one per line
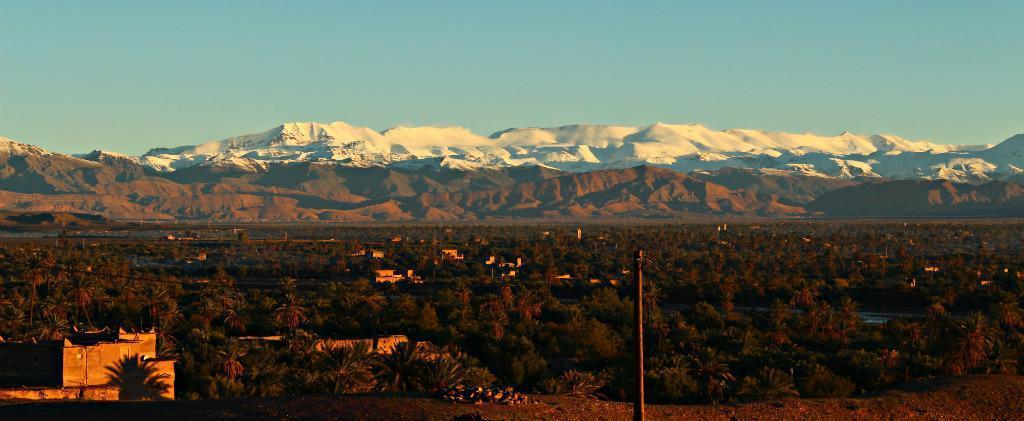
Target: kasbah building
99 365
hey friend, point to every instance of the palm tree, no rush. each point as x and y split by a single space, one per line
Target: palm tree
780 315
82 291
235 316
265 376
167 314
849 315
372 301
493 314
576 316
1003 360
971 346
888 360
231 361
304 345
710 372
34 277
292 312
768 383
12 313
136 379
464 296
528 305
53 328
1008 312
442 372
935 313
210 306
55 306
155 298
652 296
400 367
506 296
346 369
579 383
369 305
805 297
168 345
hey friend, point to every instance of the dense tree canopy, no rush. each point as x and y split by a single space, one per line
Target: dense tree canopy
744 311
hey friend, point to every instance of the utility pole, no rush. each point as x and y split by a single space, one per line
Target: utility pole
638 334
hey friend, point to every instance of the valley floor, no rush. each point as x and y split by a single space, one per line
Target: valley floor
973 397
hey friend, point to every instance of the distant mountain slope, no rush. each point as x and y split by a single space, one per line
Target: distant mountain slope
29 219
119 187
411 175
917 198
633 192
790 187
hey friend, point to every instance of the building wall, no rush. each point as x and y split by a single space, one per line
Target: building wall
165 371
63 370
387 344
147 342
29 364
383 345
90 365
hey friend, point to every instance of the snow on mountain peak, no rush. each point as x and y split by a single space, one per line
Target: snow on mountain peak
601 136
106 157
11 147
585 147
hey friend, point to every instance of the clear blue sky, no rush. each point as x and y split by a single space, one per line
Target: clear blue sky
127 76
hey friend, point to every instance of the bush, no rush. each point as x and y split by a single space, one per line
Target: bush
572 383
822 383
671 385
768 383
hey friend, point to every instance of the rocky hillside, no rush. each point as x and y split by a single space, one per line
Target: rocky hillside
907 198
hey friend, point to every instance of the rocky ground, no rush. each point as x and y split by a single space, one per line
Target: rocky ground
974 397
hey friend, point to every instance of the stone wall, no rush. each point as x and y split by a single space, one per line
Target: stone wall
383 344
30 364
92 393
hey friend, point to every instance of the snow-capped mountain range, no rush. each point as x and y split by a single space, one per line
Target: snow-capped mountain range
584 147
337 172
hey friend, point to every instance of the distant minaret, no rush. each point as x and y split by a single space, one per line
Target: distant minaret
579 233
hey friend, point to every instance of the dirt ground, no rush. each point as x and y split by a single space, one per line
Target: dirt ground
973 397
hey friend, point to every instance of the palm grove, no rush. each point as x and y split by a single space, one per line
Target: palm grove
746 312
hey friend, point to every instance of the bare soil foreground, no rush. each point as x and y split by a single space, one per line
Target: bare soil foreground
973 397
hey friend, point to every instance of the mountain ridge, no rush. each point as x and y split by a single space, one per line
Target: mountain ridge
382 179
588 147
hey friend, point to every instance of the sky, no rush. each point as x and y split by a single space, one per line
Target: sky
127 76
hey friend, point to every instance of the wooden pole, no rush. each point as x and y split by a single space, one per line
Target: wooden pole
638 334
